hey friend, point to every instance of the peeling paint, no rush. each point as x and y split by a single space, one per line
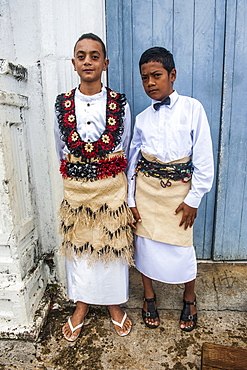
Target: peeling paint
16 70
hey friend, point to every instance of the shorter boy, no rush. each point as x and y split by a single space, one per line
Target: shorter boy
171 156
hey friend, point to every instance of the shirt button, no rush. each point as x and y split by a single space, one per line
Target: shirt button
88 140
88 104
88 122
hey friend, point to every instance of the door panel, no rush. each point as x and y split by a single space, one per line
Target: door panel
201 35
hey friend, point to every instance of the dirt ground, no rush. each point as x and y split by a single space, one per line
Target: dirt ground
222 303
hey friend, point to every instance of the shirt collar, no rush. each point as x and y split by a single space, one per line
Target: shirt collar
173 96
90 98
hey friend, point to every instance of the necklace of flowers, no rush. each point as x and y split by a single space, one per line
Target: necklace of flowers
110 138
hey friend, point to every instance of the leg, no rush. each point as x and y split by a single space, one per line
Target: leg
189 296
149 294
117 315
77 318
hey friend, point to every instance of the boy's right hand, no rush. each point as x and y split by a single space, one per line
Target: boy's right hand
136 215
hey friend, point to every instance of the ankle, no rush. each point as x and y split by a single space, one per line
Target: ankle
149 294
189 297
81 310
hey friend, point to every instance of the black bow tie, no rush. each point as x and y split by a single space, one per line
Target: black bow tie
166 102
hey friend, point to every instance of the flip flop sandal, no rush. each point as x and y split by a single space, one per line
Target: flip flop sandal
151 314
186 316
73 329
121 325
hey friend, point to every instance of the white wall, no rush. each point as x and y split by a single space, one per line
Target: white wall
62 23
39 35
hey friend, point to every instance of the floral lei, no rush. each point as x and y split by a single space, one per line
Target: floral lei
110 138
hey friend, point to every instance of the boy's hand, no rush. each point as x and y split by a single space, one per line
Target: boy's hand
136 215
189 215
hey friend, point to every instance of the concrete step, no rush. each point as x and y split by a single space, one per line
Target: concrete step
219 286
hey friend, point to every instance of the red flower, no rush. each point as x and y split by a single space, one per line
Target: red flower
74 139
106 141
113 128
112 94
112 123
111 167
68 104
90 149
69 119
113 106
63 168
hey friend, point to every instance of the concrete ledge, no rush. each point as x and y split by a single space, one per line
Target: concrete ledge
31 332
15 100
23 305
219 286
16 70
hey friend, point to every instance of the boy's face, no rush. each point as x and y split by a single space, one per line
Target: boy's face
89 61
157 83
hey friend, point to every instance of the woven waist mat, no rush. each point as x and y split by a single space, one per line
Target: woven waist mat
95 219
156 206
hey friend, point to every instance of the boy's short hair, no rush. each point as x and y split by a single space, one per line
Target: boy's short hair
158 54
94 37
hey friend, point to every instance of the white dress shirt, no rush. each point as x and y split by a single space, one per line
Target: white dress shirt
173 132
90 113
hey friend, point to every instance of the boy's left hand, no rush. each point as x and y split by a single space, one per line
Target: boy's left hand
189 215
136 216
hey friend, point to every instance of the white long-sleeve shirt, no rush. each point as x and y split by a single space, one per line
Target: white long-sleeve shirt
173 132
90 113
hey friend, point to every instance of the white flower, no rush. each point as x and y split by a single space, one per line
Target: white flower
89 147
74 136
71 118
105 139
113 106
111 121
67 104
113 94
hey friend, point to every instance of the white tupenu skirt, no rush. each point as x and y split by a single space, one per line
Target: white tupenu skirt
100 283
167 263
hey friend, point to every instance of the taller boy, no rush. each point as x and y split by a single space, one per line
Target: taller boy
171 153
92 132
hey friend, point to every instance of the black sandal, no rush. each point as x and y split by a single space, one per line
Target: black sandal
186 316
151 314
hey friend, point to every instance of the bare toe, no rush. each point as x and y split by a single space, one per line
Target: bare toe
126 328
150 314
188 318
122 328
69 331
127 325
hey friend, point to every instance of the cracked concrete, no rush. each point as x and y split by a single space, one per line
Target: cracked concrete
222 303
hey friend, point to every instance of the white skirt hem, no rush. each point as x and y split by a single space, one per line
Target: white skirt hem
170 264
166 282
98 284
